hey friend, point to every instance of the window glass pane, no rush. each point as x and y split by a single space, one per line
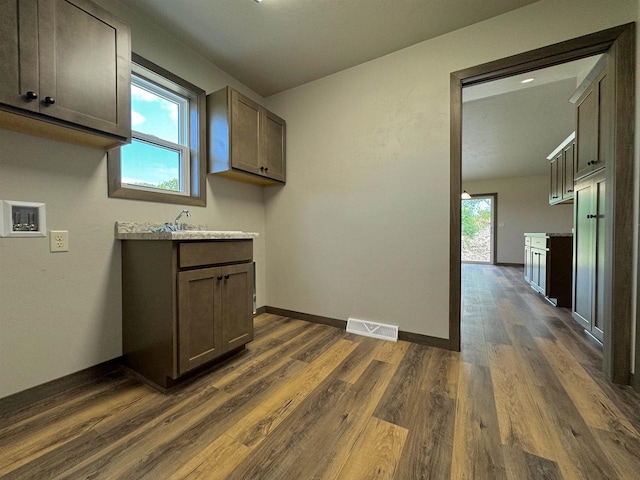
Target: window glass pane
150 165
154 114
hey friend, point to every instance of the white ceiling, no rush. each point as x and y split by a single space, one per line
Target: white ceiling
509 128
279 44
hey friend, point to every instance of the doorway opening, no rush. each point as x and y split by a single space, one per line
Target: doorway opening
618 43
478 220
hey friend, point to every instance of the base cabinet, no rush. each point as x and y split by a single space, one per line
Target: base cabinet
589 245
215 314
547 266
185 304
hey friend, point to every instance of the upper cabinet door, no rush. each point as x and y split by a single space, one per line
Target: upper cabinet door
19 75
274 144
85 74
594 124
245 133
586 131
568 160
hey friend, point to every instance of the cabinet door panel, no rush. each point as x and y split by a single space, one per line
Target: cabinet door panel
245 133
568 159
586 132
583 256
554 187
598 309
273 131
606 116
527 263
542 272
19 53
237 306
199 334
84 65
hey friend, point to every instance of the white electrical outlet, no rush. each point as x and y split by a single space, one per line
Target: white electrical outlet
59 240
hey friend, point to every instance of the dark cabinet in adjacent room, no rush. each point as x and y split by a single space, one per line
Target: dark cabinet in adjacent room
589 254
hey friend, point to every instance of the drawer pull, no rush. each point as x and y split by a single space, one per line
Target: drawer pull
31 95
226 277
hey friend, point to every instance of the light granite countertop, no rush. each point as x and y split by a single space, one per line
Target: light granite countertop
142 231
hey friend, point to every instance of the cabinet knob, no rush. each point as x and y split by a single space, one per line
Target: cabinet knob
591 216
261 168
570 191
30 95
226 277
220 277
49 100
266 169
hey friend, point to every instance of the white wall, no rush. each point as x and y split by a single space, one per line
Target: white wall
60 313
362 227
523 206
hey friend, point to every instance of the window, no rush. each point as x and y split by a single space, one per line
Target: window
165 160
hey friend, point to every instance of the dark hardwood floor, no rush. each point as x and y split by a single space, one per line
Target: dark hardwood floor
524 399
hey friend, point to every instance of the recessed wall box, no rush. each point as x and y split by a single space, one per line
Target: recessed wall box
22 219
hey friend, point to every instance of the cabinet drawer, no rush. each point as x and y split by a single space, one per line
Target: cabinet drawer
195 254
539 242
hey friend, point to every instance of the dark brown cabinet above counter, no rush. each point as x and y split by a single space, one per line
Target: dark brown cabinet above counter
246 141
561 166
65 72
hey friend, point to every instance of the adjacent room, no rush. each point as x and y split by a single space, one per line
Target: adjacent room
283 239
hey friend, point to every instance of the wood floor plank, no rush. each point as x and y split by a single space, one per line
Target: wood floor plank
21 452
256 425
623 451
335 432
215 462
285 445
376 453
268 361
329 337
391 352
428 449
477 451
396 404
523 465
180 431
594 406
520 422
355 364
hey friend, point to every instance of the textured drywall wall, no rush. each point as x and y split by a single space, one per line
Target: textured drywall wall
60 313
522 206
362 227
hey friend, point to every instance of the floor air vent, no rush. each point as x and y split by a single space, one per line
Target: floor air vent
372 329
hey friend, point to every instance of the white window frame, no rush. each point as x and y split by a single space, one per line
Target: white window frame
192 138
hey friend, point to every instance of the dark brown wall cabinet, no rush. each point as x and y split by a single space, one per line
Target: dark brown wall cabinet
561 166
246 141
65 72
589 247
184 304
547 266
594 125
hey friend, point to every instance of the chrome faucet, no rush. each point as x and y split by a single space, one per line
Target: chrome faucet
181 226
